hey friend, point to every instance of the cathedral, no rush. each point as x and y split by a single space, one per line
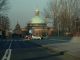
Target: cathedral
37 25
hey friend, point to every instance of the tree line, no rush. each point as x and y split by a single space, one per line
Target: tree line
65 13
4 19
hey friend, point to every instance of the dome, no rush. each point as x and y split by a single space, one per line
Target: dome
37 20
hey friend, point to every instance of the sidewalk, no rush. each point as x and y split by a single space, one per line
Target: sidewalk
72 48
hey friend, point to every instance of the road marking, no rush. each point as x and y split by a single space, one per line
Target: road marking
10 44
7 55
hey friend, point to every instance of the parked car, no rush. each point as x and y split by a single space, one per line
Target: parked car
36 37
68 34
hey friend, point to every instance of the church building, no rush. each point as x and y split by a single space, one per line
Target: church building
17 31
37 25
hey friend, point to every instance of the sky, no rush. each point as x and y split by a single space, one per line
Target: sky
23 10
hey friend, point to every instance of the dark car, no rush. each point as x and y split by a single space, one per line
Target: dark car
28 37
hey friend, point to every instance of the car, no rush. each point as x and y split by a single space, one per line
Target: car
36 37
28 37
68 34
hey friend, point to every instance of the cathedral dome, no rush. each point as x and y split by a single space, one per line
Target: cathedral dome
37 19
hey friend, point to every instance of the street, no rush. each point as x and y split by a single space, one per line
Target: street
19 49
39 30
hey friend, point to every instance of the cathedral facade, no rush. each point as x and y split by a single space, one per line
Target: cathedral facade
38 25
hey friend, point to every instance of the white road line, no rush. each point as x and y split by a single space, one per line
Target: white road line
10 44
7 54
8 58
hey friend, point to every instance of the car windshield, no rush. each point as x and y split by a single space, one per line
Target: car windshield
39 29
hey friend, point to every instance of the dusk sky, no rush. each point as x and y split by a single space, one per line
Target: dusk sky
23 10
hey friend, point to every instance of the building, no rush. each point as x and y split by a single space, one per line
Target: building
50 26
24 32
17 31
37 26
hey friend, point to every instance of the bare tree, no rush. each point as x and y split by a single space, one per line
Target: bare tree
4 23
4 20
3 6
64 13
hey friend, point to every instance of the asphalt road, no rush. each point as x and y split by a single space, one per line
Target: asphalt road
18 49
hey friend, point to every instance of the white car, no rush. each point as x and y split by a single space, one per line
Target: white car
36 37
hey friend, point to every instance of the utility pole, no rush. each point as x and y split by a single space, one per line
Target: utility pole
58 28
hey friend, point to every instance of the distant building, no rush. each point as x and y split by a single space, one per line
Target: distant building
24 32
37 26
50 26
17 31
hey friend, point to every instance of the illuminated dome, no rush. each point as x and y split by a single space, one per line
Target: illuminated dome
37 19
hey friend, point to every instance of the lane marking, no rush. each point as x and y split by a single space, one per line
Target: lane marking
10 44
7 54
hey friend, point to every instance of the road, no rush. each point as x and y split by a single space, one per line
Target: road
18 49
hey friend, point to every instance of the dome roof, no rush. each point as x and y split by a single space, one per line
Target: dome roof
37 19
